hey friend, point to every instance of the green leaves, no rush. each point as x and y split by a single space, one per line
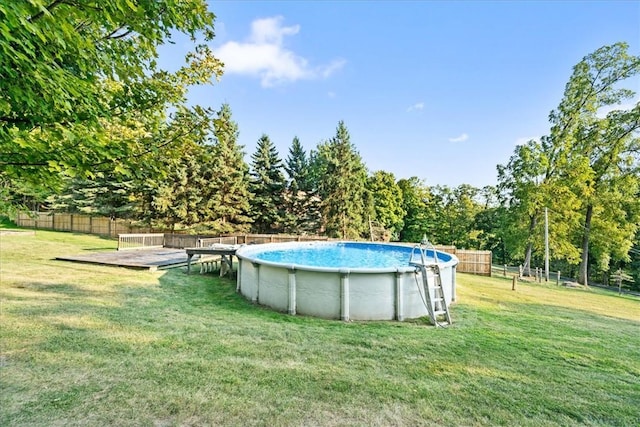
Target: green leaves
69 70
387 201
585 170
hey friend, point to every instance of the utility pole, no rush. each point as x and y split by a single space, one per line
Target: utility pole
546 245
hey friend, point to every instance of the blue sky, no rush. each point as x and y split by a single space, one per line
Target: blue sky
438 90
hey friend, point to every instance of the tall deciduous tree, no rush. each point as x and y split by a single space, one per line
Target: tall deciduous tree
387 202
267 187
342 178
598 153
419 220
455 210
72 69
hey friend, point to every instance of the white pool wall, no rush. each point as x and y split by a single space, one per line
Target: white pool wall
334 293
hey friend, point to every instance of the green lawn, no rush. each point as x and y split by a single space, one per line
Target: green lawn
90 345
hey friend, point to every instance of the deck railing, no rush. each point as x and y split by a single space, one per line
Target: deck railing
208 241
140 241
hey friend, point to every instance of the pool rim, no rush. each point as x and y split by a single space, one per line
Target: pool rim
245 252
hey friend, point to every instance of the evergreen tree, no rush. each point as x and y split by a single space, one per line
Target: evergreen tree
302 203
105 195
267 186
229 178
178 200
342 178
297 167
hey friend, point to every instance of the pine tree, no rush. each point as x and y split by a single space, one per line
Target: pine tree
105 195
342 178
178 200
267 186
302 203
229 178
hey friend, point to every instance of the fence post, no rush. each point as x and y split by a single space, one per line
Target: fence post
513 282
504 272
558 279
619 280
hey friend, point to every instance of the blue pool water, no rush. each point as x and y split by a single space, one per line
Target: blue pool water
341 255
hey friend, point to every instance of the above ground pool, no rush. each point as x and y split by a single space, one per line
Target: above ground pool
340 280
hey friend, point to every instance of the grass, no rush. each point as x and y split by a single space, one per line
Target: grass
91 345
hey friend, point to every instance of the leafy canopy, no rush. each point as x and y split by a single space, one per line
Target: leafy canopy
72 71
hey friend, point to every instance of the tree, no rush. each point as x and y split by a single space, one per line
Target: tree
70 70
454 214
302 203
419 219
342 178
634 265
387 202
267 186
531 181
487 223
173 187
229 177
105 195
598 154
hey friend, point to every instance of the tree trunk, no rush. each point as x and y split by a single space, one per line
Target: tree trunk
527 256
584 264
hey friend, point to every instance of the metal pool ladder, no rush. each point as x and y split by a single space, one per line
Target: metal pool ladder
437 304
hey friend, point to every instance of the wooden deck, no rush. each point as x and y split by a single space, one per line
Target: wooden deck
152 259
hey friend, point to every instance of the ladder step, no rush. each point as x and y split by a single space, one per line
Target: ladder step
432 288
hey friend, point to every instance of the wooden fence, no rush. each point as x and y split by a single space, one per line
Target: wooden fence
474 262
470 261
77 223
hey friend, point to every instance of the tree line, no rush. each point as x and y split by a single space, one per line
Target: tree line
90 123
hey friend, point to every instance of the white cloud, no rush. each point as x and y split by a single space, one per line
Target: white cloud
264 56
460 138
416 106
